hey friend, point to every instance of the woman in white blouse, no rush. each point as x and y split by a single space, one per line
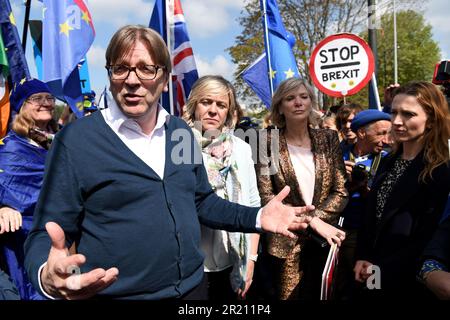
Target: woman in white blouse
229 257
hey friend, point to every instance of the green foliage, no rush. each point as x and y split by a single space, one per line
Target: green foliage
59 108
417 52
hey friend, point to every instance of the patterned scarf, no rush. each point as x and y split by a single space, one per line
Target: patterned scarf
219 164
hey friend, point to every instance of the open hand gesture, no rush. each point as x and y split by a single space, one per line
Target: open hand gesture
61 277
279 218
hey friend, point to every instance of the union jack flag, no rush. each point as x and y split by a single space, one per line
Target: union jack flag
168 19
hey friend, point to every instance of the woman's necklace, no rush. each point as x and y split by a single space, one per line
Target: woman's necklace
303 143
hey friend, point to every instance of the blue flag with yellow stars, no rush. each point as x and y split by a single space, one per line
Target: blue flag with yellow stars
67 35
279 43
256 76
21 174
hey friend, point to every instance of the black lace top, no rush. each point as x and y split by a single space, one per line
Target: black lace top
398 169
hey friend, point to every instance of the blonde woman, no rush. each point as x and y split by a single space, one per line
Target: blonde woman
229 257
310 162
22 158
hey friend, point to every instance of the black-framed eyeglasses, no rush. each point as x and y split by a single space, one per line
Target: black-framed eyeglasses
39 100
143 72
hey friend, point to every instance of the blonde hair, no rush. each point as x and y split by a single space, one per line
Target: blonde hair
437 128
284 89
123 40
201 88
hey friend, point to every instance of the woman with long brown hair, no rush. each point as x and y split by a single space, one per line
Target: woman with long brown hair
409 193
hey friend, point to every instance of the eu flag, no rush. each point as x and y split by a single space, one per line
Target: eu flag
279 42
256 76
68 33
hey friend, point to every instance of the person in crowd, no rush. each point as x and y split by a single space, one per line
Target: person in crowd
267 122
388 96
408 195
22 160
310 162
435 270
67 116
230 257
329 122
344 118
127 187
372 128
89 104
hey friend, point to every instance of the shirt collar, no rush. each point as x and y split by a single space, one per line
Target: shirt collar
116 119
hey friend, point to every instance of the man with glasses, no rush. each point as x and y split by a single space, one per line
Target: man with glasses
117 190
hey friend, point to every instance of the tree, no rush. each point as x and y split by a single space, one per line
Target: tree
249 45
417 52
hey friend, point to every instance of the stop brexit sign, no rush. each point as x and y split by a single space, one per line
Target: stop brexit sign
341 65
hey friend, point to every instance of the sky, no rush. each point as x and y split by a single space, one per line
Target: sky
212 26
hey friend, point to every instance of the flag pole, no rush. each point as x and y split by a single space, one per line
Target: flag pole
266 34
375 92
170 6
25 25
395 45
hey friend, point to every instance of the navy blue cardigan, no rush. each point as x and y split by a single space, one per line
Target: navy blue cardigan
121 214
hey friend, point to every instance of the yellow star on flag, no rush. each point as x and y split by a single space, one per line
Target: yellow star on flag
85 17
11 18
65 28
272 73
289 73
22 81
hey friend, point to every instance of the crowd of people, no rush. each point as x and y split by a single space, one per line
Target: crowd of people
133 203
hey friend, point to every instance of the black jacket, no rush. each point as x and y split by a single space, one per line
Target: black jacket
411 215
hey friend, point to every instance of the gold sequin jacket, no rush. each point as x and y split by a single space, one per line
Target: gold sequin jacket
330 196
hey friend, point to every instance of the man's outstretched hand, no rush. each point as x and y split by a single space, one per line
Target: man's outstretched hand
282 219
61 277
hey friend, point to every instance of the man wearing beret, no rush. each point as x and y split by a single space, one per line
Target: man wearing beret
372 128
